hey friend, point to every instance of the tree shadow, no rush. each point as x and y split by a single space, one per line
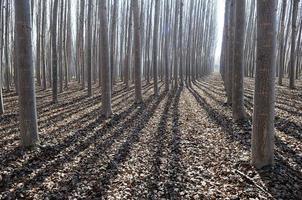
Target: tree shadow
51 158
282 181
177 175
120 157
50 151
158 145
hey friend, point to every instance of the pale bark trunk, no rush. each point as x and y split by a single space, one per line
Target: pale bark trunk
89 48
264 96
27 99
180 44
38 52
237 89
105 66
54 54
155 47
292 66
1 95
282 49
137 52
43 46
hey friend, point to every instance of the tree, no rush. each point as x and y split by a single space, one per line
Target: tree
89 48
155 46
43 45
180 43
292 77
231 48
1 95
38 44
137 52
113 40
237 89
27 99
264 96
176 52
60 46
128 51
54 54
282 51
105 67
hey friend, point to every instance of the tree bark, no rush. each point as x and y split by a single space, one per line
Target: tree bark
264 96
237 89
155 47
137 52
105 66
54 54
292 66
282 51
27 99
89 48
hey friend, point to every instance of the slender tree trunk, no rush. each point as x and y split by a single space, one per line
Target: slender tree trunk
128 52
264 96
81 40
237 89
180 44
43 46
113 41
231 49
292 66
105 66
89 48
54 54
166 47
1 95
27 99
137 52
38 52
155 46
282 49
60 46
69 45
7 71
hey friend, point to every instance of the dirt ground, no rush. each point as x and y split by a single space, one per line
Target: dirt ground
179 145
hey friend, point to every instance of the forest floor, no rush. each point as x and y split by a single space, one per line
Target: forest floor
179 145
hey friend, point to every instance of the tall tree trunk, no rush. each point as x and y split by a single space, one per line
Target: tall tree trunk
43 46
237 89
128 51
54 54
113 41
137 52
155 46
27 99
7 71
231 49
282 49
38 52
180 44
106 75
81 47
176 51
69 45
89 48
1 95
292 66
264 96
60 45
